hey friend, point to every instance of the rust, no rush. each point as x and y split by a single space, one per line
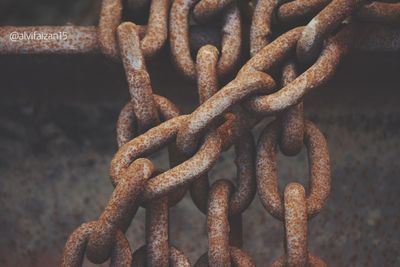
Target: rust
295 225
296 10
261 25
218 223
224 118
267 173
319 28
186 172
74 250
144 144
176 258
127 119
137 76
273 53
157 236
380 12
119 211
319 73
207 83
157 28
153 36
231 42
110 18
235 126
239 258
235 91
179 39
292 119
126 132
205 10
245 190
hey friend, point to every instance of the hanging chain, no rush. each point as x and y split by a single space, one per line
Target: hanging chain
207 40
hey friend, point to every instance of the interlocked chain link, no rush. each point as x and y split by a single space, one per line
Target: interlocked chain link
208 40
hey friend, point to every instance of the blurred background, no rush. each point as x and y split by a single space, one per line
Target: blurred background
57 137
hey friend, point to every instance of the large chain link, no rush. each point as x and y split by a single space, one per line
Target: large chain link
207 41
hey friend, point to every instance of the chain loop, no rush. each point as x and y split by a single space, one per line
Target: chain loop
261 31
205 10
318 29
74 251
313 261
295 225
322 70
176 258
267 173
206 114
239 258
157 233
179 39
119 211
220 239
137 76
292 119
110 19
126 119
218 223
296 10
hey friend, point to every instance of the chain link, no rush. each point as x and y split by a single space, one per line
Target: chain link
212 32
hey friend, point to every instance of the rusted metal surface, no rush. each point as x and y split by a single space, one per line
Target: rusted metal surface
208 9
261 25
119 211
229 109
74 251
179 39
218 224
176 258
380 12
137 76
46 183
110 19
292 119
293 11
295 225
267 172
309 45
319 73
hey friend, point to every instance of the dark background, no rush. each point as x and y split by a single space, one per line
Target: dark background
57 136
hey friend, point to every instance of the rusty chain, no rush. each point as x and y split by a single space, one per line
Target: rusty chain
207 41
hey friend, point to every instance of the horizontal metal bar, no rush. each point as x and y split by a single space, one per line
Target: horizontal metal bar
49 40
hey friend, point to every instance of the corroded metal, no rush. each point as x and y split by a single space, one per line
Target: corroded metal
304 56
261 25
292 119
293 11
318 29
179 39
137 76
267 173
75 247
